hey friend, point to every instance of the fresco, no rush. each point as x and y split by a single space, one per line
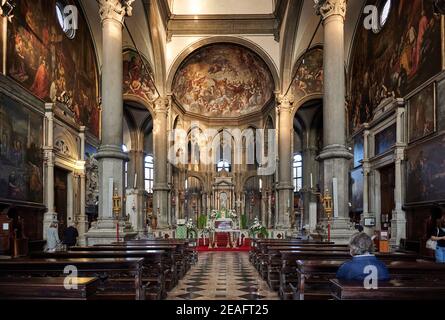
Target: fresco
385 139
359 150
405 54
223 80
309 79
426 171
21 158
357 183
136 80
422 115
46 62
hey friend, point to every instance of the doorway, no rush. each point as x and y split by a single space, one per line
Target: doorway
387 187
61 198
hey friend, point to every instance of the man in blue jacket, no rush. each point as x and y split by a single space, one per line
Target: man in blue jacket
363 260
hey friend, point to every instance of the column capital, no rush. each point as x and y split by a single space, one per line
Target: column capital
285 102
115 9
162 104
328 8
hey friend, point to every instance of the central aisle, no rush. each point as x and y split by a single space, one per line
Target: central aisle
223 276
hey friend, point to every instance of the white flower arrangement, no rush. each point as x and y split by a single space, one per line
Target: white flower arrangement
233 215
189 225
213 214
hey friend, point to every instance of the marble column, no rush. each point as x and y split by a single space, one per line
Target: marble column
335 156
161 187
110 156
398 222
50 215
285 187
367 214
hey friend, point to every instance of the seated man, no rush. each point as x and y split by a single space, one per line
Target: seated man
361 249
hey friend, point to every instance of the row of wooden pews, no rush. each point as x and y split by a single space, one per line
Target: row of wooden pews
142 269
303 270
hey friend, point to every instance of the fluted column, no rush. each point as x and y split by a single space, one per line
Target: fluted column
161 187
335 155
285 188
111 158
48 149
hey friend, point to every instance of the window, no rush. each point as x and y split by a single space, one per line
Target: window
69 32
148 175
125 149
297 171
384 15
223 165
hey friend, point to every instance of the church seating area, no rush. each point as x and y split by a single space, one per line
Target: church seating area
133 270
306 270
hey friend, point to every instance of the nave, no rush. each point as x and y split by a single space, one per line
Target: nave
223 276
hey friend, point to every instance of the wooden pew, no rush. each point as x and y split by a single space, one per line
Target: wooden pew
392 290
281 274
153 274
314 275
173 260
108 270
47 288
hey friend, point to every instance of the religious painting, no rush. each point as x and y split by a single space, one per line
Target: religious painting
223 80
359 145
309 77
394 62
422 114
441 106
357 183
53 67
21 157
385 139
426 171
138 78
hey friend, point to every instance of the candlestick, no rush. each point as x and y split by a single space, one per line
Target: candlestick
312 183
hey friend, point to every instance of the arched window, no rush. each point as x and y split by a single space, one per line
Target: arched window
223 165
125 149
297 170
148 174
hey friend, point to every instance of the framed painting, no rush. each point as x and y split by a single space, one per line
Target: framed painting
426 171
21 155
385 139
422 113
357 183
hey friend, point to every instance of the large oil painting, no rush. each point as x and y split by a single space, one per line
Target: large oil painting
357 183
422 114
138 77
225 80
404 54
359 150
309 78
385 139
49 64
426 171
21 158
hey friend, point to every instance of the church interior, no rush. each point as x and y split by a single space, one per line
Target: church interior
221 150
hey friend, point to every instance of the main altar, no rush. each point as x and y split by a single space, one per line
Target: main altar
223 222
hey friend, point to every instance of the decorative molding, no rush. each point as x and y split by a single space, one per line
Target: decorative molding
327 8
115 9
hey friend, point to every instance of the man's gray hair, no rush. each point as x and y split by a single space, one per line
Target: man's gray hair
360 244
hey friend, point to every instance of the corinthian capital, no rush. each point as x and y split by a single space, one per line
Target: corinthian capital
285 101
162 104
115 9
327 8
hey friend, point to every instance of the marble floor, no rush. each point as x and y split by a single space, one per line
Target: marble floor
222 276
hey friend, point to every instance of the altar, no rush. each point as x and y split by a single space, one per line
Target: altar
224 226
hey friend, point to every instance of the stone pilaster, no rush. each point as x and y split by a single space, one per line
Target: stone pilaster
49 159
367 213
161 187
82 221
398 222
111 158
335 156
285 187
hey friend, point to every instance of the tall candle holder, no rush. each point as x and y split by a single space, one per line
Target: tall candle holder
117 206
326 201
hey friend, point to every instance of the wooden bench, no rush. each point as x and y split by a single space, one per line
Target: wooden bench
314 275
110 271
47 288
392 290
153 274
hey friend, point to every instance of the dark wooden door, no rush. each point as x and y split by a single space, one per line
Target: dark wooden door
61 198
387 186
